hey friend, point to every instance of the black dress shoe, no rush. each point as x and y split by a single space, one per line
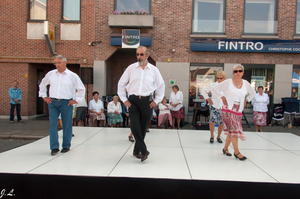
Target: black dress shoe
130 138
242 158
138 156
54 151
65 150
225 152
144 157
219 140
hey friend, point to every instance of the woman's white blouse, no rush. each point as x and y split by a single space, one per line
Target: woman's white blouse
260 102
178 98
162 108
111 107
96 106
217 102
231 92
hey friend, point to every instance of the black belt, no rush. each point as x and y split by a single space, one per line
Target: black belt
141 97
59 99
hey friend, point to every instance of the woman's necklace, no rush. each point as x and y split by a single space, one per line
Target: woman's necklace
239 85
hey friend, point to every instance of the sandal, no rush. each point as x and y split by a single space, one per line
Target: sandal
131 139
219 140
211 140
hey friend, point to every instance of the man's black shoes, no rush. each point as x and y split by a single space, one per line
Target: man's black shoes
65 150
54 151
144 157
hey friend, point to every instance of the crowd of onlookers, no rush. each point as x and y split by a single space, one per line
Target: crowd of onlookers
110 111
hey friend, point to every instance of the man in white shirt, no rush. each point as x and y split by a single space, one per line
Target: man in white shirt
143 79
63 84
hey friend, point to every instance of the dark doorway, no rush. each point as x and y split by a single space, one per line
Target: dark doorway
39 100
116 65
37 73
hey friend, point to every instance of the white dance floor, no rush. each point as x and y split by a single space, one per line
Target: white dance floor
174 154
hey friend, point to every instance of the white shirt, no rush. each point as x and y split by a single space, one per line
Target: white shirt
62 85
217 102
162 108
260 102
111 107
81 103
96 106
178 98
231 92
141 82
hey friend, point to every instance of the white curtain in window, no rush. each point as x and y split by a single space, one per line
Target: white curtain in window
38 9
208 16
260 16
71 10
298 18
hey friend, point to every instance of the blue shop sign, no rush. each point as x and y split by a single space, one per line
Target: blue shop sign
116 39
245 45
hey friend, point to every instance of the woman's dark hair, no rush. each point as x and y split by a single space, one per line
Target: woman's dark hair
175 86
95 92
260 87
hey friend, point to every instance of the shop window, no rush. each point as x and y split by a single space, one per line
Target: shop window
71 10
37 10
296 82
209 16
260 75
260 17
200 76
298 18
133 5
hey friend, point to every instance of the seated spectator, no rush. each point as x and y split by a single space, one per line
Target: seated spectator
153 118
81 108
96 110
165 116
125 113
114 112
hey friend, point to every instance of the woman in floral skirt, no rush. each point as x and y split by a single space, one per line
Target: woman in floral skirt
234 99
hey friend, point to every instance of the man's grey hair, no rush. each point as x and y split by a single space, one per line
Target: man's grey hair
145 48
61 57
238 66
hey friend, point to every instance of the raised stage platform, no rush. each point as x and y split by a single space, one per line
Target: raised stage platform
181 162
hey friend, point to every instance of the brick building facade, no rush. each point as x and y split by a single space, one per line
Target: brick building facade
172 33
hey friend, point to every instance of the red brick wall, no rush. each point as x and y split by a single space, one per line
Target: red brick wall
172 29
16 51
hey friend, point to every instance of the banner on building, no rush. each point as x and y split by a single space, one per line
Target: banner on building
245 45
130 38
116 39
49 33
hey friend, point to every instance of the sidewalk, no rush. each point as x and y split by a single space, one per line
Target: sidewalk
32 129
38 128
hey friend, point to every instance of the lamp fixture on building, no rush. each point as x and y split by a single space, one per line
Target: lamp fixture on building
93 43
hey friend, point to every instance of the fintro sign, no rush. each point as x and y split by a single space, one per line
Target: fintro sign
238 45
130 38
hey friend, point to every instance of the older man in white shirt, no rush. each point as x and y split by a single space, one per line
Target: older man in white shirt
144 79
63 84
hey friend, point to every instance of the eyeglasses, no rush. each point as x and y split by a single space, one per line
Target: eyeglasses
238 71
219 77
141 54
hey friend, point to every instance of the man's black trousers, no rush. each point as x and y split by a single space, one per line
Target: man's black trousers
139 114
